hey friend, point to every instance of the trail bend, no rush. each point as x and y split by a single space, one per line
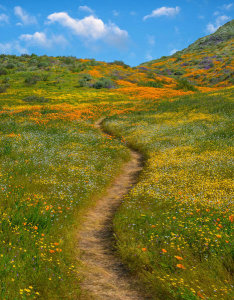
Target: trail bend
104 275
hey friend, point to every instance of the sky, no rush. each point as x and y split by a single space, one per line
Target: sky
133 31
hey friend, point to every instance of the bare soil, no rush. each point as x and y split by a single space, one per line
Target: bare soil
104 275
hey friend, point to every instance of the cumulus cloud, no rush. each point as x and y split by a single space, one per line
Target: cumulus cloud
41 39
25 18
4 18
91 28
87 9
220 20
163 11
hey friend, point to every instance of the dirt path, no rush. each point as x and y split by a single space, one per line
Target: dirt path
105 276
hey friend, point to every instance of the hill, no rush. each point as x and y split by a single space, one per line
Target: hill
205 62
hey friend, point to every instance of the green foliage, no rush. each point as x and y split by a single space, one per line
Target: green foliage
32 79
183 84
84 80
119 63
35 99
3 71
155 83
3 88
103 83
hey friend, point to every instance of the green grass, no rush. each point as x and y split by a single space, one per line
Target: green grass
174 229
48 175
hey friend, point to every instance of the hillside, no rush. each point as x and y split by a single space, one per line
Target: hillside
208 61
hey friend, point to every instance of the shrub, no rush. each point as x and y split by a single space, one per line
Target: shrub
103 83
84 80
184 84
155 83
10 66
120 63
3 71
3 88
6 80
35 98
44 77
32 79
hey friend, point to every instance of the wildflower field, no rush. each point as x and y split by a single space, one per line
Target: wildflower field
174 228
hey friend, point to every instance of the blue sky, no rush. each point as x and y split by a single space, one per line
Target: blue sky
132 31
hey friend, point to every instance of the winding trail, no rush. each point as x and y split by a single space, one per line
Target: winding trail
104 275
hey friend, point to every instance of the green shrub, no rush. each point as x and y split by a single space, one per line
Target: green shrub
84 80
119 63
10 66
3 88
3 71
6 80
155 83
35 98
32 79
103 83
184 84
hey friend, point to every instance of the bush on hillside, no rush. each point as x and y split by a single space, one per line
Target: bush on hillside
84 80
3 88
3 71
35 98
119 63
155 83
184 84
32 79
103 83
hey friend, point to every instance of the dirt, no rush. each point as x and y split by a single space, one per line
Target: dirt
104 275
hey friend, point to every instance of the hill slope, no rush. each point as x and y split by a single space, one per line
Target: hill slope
205 62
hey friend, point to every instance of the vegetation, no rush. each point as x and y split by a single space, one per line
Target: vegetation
174 228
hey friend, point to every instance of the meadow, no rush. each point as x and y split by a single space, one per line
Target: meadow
173 229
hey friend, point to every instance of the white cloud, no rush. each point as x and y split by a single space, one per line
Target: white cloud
91 29
25 18
227 6
40 39
115 13
163 11
87 9
12 47
173 51
4 18
148 56
220 20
